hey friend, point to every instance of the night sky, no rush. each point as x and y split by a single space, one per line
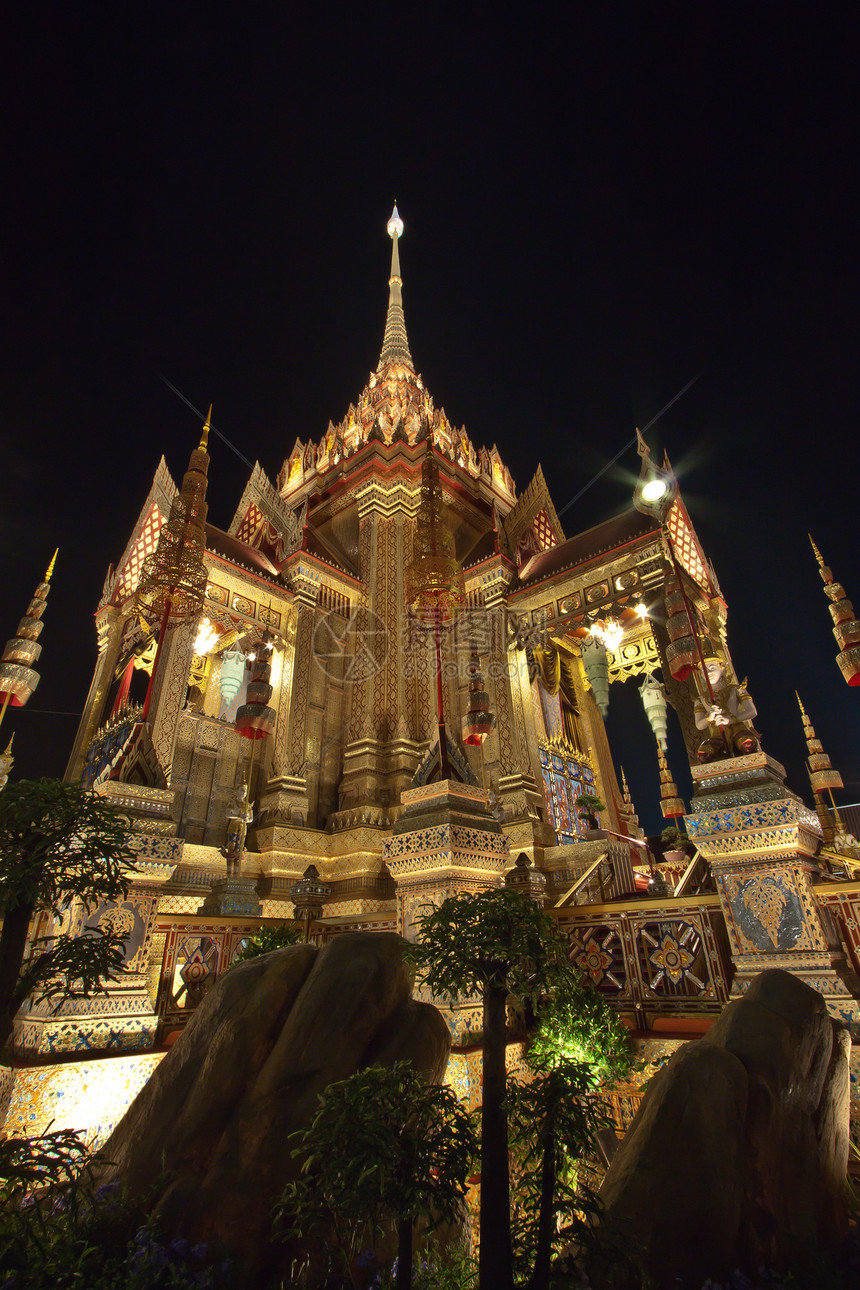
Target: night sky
600 202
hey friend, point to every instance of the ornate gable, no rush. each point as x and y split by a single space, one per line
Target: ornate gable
265 521
532 525
121 581
688 549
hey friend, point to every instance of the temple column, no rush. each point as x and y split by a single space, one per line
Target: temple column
109 627
169 687
289 796
445 843
380 756
519 793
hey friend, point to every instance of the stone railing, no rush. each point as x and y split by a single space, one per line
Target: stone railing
190 951
653 956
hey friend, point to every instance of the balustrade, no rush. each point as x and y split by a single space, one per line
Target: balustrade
666 956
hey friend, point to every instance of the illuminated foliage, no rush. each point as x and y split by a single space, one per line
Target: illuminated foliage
577 1024
59 844
554 1120
266 939
491 944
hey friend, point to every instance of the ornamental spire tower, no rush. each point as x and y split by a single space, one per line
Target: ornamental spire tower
846 626
395 345
18 677
823 779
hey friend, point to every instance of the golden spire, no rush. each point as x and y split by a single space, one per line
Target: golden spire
50 568
823 779
18 676
6 762
846 627
670 803
395 344
204 438
819 557
173 577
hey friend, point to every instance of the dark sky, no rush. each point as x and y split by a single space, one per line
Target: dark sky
600 201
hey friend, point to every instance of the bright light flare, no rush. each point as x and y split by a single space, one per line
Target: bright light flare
654 490
610 631
207 636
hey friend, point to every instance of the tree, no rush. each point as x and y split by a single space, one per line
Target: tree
59 843
491 944
580 1044
268 938
555 1119
384 1144
589 805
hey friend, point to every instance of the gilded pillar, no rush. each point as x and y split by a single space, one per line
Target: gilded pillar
109 628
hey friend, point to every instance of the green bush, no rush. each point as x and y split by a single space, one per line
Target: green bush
58 1233
269 938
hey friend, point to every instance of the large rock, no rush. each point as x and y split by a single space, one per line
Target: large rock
738 1155
215 1118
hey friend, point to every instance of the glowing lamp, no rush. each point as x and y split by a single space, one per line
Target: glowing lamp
206 638
395 224
654 490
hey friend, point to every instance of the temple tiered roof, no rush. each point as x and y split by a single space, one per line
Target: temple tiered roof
394 406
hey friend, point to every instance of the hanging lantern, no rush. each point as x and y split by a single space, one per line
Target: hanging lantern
479 719
681 654
595 660
232 675
653 698
255 719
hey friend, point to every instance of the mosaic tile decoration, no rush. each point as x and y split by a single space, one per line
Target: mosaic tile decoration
90 1096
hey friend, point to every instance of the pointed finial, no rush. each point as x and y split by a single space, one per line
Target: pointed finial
395 345
204 438
8 749
819 557
50 568
395 224
800 705
641 446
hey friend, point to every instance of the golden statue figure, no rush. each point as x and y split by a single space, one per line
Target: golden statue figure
239 816
726 711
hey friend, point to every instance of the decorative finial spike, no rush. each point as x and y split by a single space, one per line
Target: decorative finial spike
395 345
800 704
641 446
819 557
7 750
204 438
395 224
50 568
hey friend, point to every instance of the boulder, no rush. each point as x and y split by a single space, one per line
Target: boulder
212 1127
738 1154
674 1188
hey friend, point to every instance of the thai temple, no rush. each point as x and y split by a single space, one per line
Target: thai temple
385 681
